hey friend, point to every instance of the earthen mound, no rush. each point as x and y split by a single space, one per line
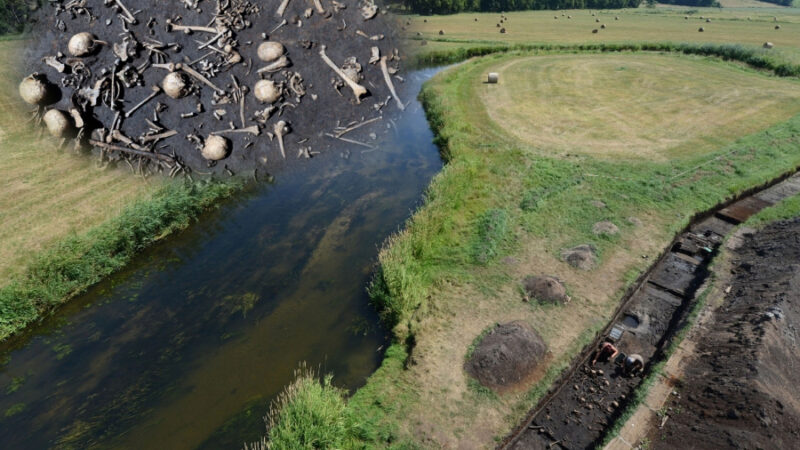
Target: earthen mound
581 257
506 356
545 288
605 227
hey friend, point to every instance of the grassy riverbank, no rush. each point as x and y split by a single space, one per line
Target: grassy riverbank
65 224
507 204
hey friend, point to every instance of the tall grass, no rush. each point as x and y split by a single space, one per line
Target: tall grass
310 413
80 260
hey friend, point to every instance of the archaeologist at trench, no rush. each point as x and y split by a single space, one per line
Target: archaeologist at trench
606 352
633 364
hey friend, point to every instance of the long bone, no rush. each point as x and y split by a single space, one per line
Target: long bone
358 90
189 28
279 64
318 5
281 128
282 8
156 91
388 81
253 129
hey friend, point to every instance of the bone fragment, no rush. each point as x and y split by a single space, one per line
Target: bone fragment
159 136
279 64
156 91
388 81
282 8
253 129
357 89
146 154
280 129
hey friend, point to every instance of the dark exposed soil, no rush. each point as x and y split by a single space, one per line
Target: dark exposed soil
507 355
581 257
545 288
309 119
740 390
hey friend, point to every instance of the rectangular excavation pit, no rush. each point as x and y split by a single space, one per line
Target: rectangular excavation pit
742 210
675 275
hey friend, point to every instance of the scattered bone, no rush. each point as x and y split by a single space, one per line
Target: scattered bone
344 131
126 13
156 91
318 5
375 55
388 81
188 28
159 136
280 129
276 66
77 118
283 23
350 141
146 154
282 8
53 62
252 129
357 89
368 9
308 13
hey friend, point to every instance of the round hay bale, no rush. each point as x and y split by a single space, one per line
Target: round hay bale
616 17
583 257
555 17
603 26
777 27
425 20
441 32
545 288
476 19
498 25
595 31
708 20
605 227
508 355
493 78
502 30
768 45
597 20
685 17
701 29
569 17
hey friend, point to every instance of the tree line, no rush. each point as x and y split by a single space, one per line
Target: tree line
454 6
14 15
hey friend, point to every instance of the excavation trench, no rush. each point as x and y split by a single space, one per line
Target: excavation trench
585 402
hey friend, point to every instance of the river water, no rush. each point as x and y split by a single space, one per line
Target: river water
186 346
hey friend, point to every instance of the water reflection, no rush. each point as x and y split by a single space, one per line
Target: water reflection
186 346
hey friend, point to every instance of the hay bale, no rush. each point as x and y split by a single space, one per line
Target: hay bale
508 355
685 17
768 45
596 20
605 227
476 19
441 32
498 25
545 288
569 17
595 31
603 26
777 27
493 78
502 30
616 17
708 20
701 29
583 257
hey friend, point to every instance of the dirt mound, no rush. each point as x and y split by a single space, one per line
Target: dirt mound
582 257
545 288
506 356
605 227
740 390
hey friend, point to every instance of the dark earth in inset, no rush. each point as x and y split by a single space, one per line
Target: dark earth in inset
315 113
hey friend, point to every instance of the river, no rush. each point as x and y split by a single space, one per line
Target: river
187 345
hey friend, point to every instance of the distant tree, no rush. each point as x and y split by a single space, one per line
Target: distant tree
651 3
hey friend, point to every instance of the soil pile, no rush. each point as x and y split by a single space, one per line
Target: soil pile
506 356
545 288
605 227
152 81
740 391
581 257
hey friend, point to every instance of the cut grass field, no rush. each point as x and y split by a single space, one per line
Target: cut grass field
642 25
632 106
509 201
65 224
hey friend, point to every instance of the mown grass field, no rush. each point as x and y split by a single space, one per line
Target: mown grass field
530 172
664 24
47 193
